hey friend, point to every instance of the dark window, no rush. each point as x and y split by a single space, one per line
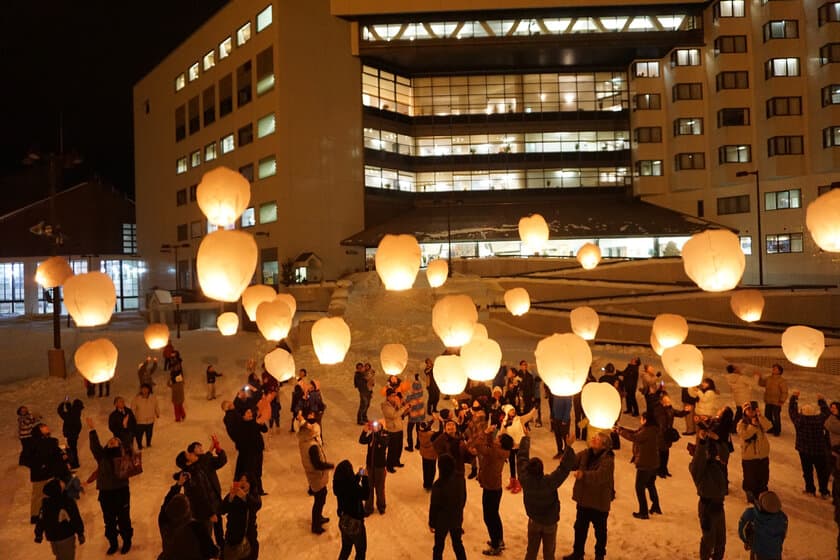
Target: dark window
225 95
208 99
831 95
246 134
193 190
247 171
648 134
147 106
726 44
733 80
783 200
644 101
265 71
733 205
243 84
831 137
180 123
194 122
701 208
784 243
781 29
694 160
828 12
181 234
784 145
181 197
735 154
830 53
733 117
784 106
687 91
822 189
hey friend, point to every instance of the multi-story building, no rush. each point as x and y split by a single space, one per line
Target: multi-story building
357 117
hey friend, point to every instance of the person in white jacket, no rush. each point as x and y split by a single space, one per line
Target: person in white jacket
514 426
707 406
741 387
146 411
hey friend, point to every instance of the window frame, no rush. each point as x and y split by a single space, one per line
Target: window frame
769 29
243 34
225 47
679 126
690 56
831 137
729 205
268 9
732 79
180 81
193 72
770 67
723 9
826 15
649 97
732 44
267 204
232 138
273 118
723 153
693 89
787 145
181 165
647 134
212 150
743 110
689 161
774 106
647 65
651 166
830 95
830 53
776 196
777 239
263 161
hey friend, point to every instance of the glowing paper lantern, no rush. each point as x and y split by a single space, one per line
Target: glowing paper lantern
670 329
280 364
747 305
454 319
156 335
533 231
222 195
601 403
450 375
589 255
655 344
684 363
274 319
479 332
253 296
437 272
394 358
228 323
226 262
517 301
53 272
823 220
714 260
90 298
563 361
331 339
803 346
96 360
398 261
585 322
481 359
289 300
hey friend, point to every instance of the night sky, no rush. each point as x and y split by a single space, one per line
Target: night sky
82 58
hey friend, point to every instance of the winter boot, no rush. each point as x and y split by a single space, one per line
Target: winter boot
126 537
113 546
517 488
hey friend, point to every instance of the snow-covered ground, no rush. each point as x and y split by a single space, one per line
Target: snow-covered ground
376 318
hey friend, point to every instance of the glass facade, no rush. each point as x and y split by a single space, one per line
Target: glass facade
125 274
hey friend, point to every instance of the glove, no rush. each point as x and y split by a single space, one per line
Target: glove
216 445
82 538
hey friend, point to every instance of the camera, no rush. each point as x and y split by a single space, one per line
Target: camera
374 424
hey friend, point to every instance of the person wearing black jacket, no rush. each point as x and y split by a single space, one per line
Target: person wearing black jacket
630 381
122 422
209 463
446 508
351 490
114 494
71 414
360 382
44 459
250 444
708 470
60 521
376 461
240 506
183 538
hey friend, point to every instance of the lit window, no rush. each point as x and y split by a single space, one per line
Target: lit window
209 60
210 152
181 165
267 167
729 9
225 48
784 243
649 168
830 53
829 12
265 125
264 19
782 200
781 67
781 29
688 126
195 158
227 144
831 95
243 34
129 234
180 82
193 74
268 212
831 137
746 244
784 146
685 57
248 218
196 229
647 69
734 154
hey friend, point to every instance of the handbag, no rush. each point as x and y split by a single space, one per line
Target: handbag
128 465
350 526
672 435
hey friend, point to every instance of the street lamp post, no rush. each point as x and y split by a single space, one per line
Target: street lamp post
760 241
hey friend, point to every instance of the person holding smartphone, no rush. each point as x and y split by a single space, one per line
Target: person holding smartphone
376 461
350 491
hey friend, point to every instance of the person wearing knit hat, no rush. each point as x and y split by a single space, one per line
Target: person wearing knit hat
60 521
763 527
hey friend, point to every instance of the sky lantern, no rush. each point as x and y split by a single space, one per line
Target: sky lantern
747 305
533 231
803 346
656 345
274 319
331 339
453 320
156 336
563 361
450 375
53 272
228 323
823 221
225 263
584 322
517 301
481 359
601 403
394 358
684 363
714 260
670 329
589 255
437 272
96 360
289 300
90 298
479 332
398 261
280 364
223 195
253 296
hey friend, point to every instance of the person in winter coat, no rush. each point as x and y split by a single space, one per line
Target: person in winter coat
393 411
365 394
122 422
376 440
298 392
205 502
741 387
763 527
316 467
708 472
145 370
26 421
689 403
665 414
775 396
182 537
650 383
630 381
446 509
706 393
146 411
561 419
416 411
176 384
514 426
45 462
832 424
211 375
539 492
207 464
755 449
250 445
428 455
450 442
71 414
811 442
240 506
474 432
114 494
646 458
492 452
431 386
59 521
351 489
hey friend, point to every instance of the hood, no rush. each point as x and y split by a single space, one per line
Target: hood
769 502
507 408
77 405
178 509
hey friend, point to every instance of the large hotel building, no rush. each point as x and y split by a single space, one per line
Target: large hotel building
631 125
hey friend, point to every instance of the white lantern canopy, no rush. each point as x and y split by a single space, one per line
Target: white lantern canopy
803 346
223 195
450 375
96 360
331 339
601 403
253 296
394 358
90 298
517 301
714 260
398 261
53 272
228 323
533 231
656 345
226 262
274 319
437 272
453 320
684 363
747 305
563 361
584 322
481 358
670 329
823 220
479 332
280 364
589 255
289 300
156 335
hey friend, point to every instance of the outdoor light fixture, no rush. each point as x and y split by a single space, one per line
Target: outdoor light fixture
90 298
823 220
533 231
253 296
584 322
394 358
450 376
803 346
747 305
274 319
589 255
331 339
684 363
228 323
397 261
481 358
670 329
517 301
714 260
225 263
280 364
601 404
453 320
437 272
96 360
156 336
563 361
53 272
223 195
